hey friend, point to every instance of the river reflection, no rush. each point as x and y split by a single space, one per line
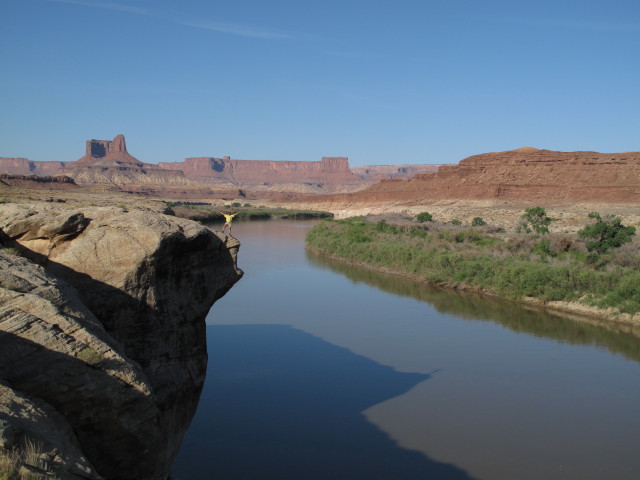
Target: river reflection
470 306
322 370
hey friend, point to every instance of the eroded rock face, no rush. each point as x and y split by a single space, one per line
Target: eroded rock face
111 333
108 150
23 166
329 174
377 173
525 174
109 162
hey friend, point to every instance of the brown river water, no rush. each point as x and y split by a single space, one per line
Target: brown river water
320 370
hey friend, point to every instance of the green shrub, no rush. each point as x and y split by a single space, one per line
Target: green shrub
606 233
542 248
625 295
382 226
478 222
455 221
424 217
558 270
89 356
468 235
418 233
538 219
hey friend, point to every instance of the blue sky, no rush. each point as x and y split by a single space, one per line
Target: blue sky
382 82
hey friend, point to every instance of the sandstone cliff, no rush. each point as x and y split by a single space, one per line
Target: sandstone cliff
331 174
525 174
104 162
377 173
24 166
109 162
108 151
102 334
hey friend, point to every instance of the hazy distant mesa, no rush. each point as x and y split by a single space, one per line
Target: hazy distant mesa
108 161
525 174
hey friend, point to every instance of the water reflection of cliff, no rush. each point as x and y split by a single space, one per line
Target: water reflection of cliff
471 306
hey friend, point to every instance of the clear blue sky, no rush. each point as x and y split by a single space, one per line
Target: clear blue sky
382 82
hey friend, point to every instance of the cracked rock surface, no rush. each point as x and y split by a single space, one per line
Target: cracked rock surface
102 333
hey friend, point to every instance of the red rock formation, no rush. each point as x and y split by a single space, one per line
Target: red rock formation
525 174
108 151
329 174
252 171
16 166
108 161
378 173
24 166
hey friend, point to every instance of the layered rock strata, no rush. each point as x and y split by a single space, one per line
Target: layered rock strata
329 174
24 166
109 162
525 174
102 333
377 173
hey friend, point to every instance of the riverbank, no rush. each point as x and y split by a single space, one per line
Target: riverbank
550 273
206 212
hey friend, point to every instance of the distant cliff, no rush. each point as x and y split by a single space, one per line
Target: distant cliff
109 162
102 333
23 166
330 174
390 172
525 174
104 162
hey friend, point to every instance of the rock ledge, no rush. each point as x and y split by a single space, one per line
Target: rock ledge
102 334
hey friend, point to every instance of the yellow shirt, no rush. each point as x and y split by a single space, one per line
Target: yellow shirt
228 218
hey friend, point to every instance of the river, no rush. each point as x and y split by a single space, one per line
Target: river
319 370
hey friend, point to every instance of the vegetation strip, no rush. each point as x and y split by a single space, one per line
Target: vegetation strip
205 212
546 267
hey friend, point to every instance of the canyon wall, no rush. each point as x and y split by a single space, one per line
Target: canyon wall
525 174
331 173
109 162
23 166
378 173
102 333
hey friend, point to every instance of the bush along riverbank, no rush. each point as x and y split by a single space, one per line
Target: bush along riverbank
203 212
596 272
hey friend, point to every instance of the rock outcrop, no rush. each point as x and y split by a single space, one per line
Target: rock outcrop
330 174
60 182
525 174
102 333
108 151
24 166
109 162
105 162
377 173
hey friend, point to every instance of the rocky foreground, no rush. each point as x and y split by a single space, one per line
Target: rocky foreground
102 333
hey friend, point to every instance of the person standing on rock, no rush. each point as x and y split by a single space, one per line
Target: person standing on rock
227 220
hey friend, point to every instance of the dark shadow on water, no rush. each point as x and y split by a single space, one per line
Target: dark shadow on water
281 404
